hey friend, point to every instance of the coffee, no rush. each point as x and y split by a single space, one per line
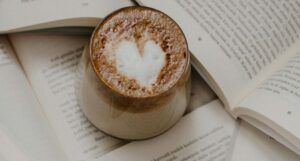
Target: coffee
139 52
136 74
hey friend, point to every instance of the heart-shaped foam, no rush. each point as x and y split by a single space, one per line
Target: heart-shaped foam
143 67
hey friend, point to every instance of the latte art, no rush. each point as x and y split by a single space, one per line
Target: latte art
142 65
139 53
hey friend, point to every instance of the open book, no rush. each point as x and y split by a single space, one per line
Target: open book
24 15
206 134
249 53
252 145
40 118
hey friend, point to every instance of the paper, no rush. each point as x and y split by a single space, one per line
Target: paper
50 63
21 113
203 135
17 15
253 145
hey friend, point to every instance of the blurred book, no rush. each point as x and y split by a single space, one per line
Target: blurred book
252 145
25 15
249 54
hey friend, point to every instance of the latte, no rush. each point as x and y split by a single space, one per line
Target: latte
139 52
136 74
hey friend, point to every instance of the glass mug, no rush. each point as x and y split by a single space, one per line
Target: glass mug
124 116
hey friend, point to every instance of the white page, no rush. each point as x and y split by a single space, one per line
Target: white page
276 101
205 134
32 14
21 113
50 63
9 151
271 132
235 41
253 145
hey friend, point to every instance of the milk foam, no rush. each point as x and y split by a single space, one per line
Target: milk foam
144 64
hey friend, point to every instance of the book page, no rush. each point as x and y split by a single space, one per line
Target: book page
9 151
253 145
50 63
235 41
203 135
21 117
20 15
276 101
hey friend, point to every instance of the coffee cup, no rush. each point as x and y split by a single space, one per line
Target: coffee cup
135 74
